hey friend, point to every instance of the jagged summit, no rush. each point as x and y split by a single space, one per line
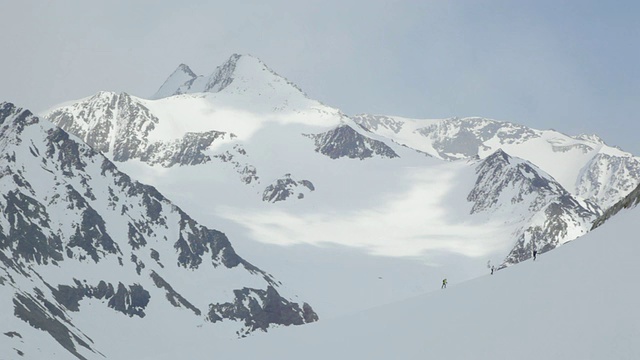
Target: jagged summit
185 69
500 172
344 141
246 72
180 76
507 184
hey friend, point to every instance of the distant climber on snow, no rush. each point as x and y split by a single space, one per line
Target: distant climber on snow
535 253
444 284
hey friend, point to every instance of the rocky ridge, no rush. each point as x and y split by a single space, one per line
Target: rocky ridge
285 187
550 214
66 207
119 125
628 202
344 141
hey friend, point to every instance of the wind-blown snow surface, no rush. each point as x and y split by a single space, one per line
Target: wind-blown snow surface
579 301
387 186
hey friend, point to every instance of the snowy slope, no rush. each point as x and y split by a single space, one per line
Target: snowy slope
85 250
577 302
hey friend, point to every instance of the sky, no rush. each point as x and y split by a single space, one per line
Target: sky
571 66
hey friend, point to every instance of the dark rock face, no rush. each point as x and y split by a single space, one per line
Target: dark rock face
259 309
193 244
549 212
43 315
283 188
173 296
130 300
91 234
29 236
343 141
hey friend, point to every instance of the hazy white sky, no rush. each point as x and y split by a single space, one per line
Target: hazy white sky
567 65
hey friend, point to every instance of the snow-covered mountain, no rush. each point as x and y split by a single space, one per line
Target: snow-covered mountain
584 165
246 148
551 214
247 74
86 251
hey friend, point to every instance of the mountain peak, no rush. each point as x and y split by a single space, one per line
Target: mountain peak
248 73
500 171
20 116
499 154
224 74
180 76
184 68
